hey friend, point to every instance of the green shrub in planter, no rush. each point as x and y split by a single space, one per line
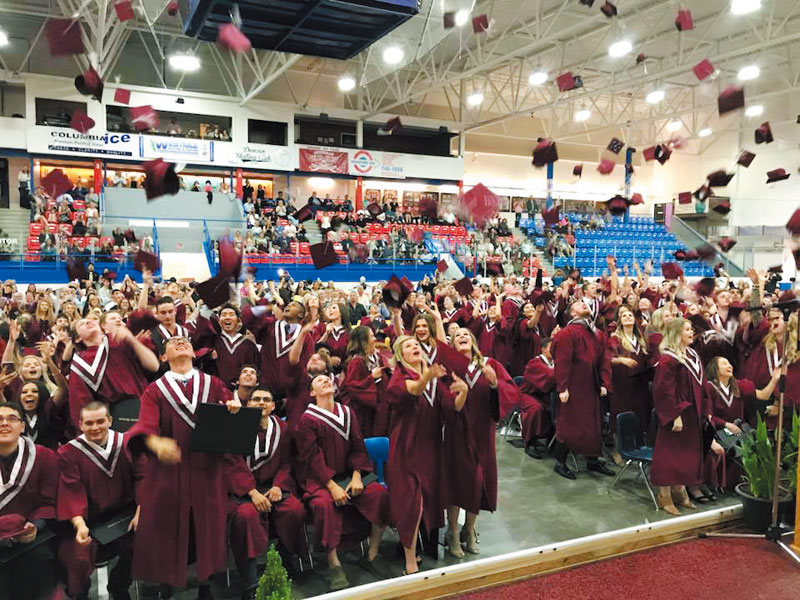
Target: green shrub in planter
790 445
758 461
274 583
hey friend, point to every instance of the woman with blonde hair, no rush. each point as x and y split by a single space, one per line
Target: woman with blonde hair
683 416
420 403
364 386
44 315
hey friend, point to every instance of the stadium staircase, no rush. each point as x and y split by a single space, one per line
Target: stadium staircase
14 224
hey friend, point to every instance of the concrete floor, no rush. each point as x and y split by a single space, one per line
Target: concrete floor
535 507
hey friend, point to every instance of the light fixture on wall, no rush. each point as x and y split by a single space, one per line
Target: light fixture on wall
655 96
537 78
462 17
583 115
346 83
755 110
475 98
181 61
3 38
743 7
674 125
704 132
393 55
619 48
749 72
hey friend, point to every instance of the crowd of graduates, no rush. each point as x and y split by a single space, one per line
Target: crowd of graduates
101 386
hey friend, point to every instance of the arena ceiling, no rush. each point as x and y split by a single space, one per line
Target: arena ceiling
445 71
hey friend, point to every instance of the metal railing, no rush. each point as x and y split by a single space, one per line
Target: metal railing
693 239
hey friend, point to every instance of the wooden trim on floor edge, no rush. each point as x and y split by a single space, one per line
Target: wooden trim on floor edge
458 579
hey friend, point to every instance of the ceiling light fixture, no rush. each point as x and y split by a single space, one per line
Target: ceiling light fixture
749 72
462 17
3 38
705 132
655 96
475 98
583 115
346 83
393 55
620 48
674 125
754 111
184 62
743 7
537 78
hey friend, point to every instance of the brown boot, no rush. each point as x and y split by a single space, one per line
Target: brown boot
665 504
681 498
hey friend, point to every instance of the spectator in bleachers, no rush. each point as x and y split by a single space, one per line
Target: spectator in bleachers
261 194
173 128
119 180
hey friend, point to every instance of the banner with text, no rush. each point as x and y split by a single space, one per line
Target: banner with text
323 160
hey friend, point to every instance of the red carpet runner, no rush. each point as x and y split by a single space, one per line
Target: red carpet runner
712 569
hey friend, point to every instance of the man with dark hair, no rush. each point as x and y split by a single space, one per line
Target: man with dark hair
183 493
96 481
231 350
28 488
245 383
111 368
168 326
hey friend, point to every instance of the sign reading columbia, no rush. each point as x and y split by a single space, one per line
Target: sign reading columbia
108 144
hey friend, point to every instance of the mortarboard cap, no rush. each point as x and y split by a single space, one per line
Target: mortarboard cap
110 275
464 286
793 224
141 319
606 166
684 20
323 255
662 154
230 260
391 126
396 290
671 270
699 324
480 203
745 158
567 81
777 175
76 270
703 192
731 98
703 69
374 209
608 9
679 255
617 205
215 291
144 118
577 170
636 199
160 179
304 214
12 525
81 121
56 183
723 207
550 216
544 153
615 145
90 84
441 266
685 198
64 37
480 24
787 296
588 3
172 8
726 243
691 255
641 57
233 39
449 19
124 10
719 178
429 207
540 296
763 134
703 251
122 96
649 153
145 260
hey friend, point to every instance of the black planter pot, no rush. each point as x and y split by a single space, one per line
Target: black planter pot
758 511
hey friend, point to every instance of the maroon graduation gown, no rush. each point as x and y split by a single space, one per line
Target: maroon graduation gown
678 391
581 367
727 407
29 483
47 426
760 366
336 342
365 395
93 481
233 351
276 339
197 486
330 446
270 465
415 467
630 390
539 381
109 372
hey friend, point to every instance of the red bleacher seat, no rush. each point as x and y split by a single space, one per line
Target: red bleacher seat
52 227
305 248
337 247
79 204
33 257
33 243
35 228
65 228
294 247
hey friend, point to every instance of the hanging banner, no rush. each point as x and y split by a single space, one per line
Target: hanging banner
98 176
320 160
239 184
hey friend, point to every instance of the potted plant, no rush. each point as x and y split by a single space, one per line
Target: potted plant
789 456
274 583
758 462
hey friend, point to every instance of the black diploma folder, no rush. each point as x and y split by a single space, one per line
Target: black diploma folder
218 431
343 482
111 527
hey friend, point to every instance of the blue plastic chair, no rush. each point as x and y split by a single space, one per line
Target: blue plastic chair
378 450
632 448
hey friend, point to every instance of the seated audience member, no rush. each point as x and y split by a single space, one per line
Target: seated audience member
332 463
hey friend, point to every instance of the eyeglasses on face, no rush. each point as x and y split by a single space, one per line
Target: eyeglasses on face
10 419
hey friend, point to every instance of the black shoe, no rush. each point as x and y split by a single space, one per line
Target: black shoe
564 471
204 593
534 451
599 467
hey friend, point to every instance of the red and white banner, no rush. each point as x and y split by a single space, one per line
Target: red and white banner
316 160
